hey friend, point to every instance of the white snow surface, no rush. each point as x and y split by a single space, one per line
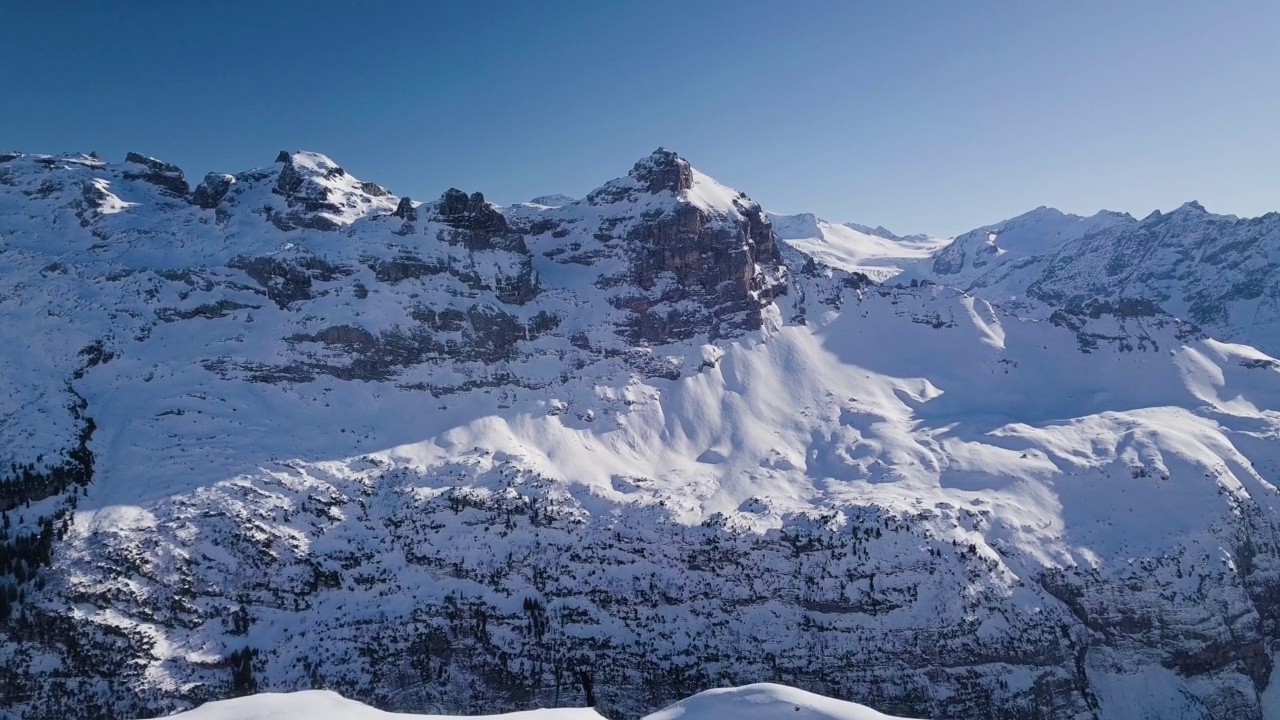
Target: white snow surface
762 701
765 701
876 253
328 705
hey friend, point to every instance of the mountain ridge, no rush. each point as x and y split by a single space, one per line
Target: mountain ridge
289 430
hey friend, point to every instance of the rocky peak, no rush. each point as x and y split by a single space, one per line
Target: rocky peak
294 176
212 189
166 176
320 195
405 209
688 255
469 212
663 170
1117 215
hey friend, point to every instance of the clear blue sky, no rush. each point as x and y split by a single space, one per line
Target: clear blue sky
934 116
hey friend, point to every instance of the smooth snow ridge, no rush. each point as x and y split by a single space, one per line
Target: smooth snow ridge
762 701
766 701
327 705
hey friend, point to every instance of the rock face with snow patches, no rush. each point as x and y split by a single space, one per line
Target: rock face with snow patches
681 254
1218 271
288 430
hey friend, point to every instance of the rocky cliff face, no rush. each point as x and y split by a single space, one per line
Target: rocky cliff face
679 253
287 429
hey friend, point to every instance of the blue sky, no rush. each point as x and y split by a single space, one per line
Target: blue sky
924 116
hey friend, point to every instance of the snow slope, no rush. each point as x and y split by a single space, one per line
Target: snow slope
764 701
286 430
326 705
877 254
989 257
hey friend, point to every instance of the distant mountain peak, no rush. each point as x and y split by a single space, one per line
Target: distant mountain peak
879 231
664 176
553 200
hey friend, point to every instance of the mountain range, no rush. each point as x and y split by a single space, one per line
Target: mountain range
284 429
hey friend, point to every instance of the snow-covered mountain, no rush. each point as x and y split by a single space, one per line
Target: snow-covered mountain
995 257
1219 271
874 252
286 430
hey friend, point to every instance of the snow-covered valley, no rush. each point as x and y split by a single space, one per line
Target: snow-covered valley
285 430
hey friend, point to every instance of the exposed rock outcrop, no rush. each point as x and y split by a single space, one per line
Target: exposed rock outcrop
405 210
161 174
212 190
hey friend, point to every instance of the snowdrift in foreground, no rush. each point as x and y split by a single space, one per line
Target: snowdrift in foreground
762 701
327 705
766 701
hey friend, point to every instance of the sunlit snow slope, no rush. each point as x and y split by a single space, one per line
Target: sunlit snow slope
763 701
876 253
326 705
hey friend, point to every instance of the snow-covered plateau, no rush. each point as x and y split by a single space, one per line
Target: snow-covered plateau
284 430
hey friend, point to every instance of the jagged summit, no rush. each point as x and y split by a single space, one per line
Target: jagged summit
663 170
682 254
459 209
317 193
